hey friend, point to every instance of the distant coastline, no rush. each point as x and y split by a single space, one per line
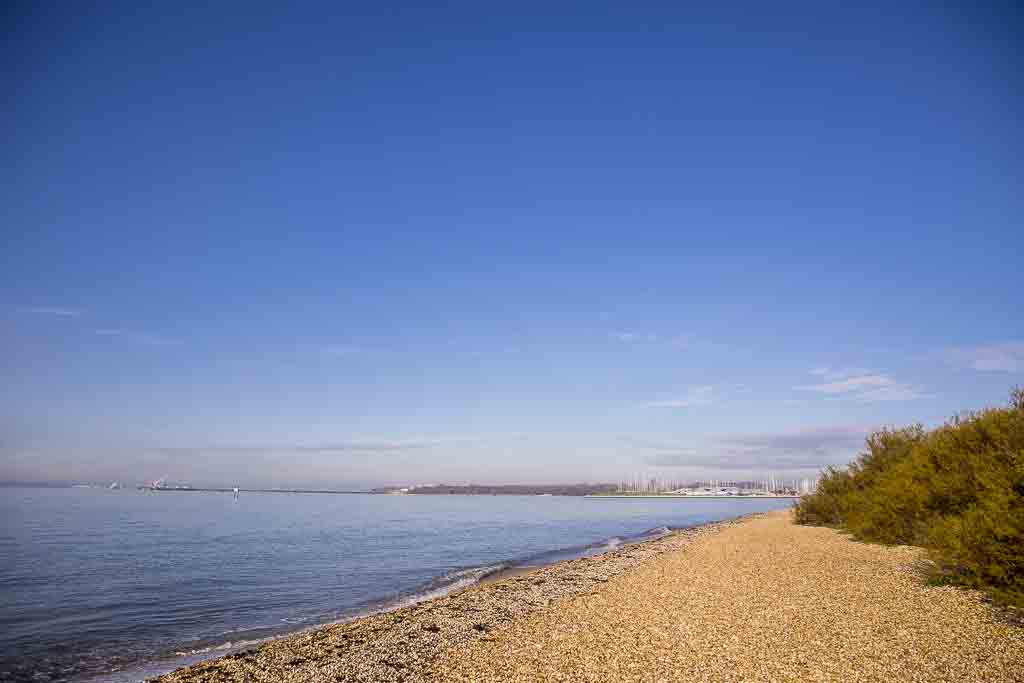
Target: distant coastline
436 489
573 490
692 496
501 489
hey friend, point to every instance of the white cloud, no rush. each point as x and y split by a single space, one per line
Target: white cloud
1006 357
891 392
350 446
633 337
802 450
627 336
861 386
155 340
696 396
343 350
55 310
850 384
138 337
833 374
144 338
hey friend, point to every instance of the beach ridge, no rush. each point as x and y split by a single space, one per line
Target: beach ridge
757 598
400 644
766 600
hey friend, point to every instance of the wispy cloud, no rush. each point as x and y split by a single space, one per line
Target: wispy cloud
861 385
156 340
1005 357
347 446
481 353
637 337
143 338
808 449
55 310
695 396
627 336
349 350
344 350
833 374
648 444
816 440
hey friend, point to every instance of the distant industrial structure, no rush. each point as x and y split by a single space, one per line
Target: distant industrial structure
769 486
162 484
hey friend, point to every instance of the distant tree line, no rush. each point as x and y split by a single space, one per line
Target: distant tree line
957 491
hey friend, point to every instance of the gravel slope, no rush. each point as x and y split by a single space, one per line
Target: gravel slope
402 645
754 600
762 601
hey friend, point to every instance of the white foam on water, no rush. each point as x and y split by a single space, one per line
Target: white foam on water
449 583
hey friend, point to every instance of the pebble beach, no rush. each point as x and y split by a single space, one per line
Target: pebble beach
756 599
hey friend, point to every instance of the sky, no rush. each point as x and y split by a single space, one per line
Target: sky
352 244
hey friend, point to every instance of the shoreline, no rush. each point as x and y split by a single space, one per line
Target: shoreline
751 598
450 584
395 642
765 600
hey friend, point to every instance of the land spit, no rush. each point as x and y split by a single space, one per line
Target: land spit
757 599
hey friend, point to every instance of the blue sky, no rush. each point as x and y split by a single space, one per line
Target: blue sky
341 244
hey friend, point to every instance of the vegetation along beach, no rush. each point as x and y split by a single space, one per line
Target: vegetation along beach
533 341
768 597
759 599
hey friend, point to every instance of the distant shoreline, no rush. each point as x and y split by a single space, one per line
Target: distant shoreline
573 491
231 490
688 497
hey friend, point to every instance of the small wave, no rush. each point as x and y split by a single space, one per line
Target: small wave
449 583
221 647
294 621
656 532
245 629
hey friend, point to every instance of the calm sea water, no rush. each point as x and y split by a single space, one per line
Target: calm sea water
119 585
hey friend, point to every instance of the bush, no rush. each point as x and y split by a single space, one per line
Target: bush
958 491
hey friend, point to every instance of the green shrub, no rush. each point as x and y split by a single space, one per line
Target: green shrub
958 491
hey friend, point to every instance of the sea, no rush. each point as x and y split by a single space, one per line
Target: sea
121 585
